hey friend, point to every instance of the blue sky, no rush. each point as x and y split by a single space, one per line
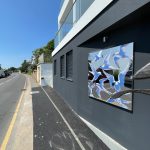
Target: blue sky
24 26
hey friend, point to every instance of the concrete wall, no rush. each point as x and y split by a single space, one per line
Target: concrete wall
34 74
38 74
129 129
45 73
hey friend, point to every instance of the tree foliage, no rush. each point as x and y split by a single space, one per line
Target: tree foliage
46 50
25 66
12 69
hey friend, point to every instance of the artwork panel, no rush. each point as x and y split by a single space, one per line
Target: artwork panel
111 71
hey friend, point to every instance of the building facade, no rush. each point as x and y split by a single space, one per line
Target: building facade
87 27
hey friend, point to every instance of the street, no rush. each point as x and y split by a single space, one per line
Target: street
10 91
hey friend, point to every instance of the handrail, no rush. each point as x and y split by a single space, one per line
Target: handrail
66 16
62 32
61 3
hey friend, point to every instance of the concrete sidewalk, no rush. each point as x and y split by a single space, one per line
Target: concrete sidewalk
22 134
57 127
45 122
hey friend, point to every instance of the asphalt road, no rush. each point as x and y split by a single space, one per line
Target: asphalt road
10 91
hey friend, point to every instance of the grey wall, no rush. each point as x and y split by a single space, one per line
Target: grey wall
47 73
66 88
129 129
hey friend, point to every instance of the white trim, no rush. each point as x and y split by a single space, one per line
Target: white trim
111 143
96 7
63 11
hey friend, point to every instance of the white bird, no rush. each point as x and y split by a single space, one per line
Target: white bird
118 85
121 102
99 89
110 78
98 56
106 63
121 54
101 83
90 90
95 73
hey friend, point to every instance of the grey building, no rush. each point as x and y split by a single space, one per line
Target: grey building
86 27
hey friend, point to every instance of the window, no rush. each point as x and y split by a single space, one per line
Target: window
55 67
62 66
69 65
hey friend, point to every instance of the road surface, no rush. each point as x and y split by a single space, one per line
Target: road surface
10 92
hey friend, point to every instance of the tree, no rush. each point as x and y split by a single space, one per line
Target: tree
33 67
36 53
46 50
12 69
25 66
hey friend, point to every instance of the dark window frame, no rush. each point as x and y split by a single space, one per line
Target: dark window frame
69 65
55 67
62 66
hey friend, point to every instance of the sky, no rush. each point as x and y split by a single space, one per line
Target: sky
24 26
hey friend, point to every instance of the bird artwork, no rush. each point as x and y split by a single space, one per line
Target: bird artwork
141 74
98 56
94 73
121 54
118 85
106 63
108 74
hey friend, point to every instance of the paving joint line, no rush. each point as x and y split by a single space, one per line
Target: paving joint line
66 122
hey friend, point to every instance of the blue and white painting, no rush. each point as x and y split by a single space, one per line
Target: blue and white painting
110 71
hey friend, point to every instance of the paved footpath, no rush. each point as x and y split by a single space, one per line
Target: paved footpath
57 127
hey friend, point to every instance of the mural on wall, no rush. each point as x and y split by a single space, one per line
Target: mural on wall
110 72
141 74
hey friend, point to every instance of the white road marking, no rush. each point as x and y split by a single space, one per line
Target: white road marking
71 130
34 92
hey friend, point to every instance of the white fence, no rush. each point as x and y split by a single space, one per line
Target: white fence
45 74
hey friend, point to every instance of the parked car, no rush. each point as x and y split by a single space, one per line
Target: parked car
2 74
7 73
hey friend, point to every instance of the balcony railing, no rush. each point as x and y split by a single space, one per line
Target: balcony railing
76 11
61 3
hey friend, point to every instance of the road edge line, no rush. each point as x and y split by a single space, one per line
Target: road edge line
12 123
66 122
